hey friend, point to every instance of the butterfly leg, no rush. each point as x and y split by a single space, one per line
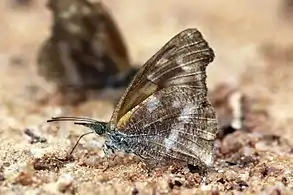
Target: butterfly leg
108 150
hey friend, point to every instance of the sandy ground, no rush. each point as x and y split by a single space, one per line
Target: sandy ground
253 42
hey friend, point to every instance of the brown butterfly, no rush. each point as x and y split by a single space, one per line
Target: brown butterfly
85 49
164 115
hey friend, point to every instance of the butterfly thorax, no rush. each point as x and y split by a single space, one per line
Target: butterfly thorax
116 141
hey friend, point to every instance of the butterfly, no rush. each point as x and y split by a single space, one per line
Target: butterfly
85 51
164 115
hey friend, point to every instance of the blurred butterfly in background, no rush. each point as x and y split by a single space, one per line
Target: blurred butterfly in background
164 116
85 51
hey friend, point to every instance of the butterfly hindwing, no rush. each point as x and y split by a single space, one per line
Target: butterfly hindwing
182 61
175 123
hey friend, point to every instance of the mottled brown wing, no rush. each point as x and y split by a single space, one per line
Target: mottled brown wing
175 123
110 38
85 49
182 61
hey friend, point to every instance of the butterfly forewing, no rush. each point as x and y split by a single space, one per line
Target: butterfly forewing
182 61
175 123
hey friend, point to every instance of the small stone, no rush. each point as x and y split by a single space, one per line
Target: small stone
64 182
